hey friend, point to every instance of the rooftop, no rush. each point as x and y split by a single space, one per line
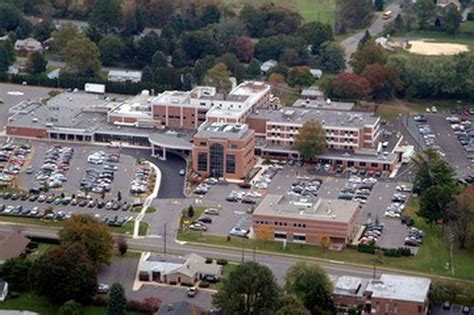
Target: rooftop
316 209
321 104
348 285
402 288
137 107
12 244
328 118
222 131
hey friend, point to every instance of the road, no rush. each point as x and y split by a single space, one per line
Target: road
350 43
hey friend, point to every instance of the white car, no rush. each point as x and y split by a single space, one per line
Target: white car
434 109
428 110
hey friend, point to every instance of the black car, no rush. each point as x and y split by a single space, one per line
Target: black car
205 220
245 185
33 198
24 197
231 199
250 201
100 204
83 203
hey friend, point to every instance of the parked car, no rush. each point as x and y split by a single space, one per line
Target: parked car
191 292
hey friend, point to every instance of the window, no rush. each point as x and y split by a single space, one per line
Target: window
230 164
362 163
374 164
202 162
204 144
420 309
299 237
280 236
216 159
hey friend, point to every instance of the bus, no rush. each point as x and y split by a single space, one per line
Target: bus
387 15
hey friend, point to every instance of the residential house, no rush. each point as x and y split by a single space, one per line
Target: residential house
3 290
267 65
179 269
12 244
28 45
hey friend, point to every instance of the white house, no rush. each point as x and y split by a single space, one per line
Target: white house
28 45
267 65
3 290
124 76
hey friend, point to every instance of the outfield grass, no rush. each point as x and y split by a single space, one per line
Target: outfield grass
31 302
431 258
467 26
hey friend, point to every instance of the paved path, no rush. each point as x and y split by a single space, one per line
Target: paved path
350 43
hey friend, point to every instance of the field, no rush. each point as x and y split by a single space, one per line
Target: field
311 10
440 37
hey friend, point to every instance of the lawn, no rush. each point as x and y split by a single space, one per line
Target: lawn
197 213
467 27
390 109
127 228
31 302
431 258
148 210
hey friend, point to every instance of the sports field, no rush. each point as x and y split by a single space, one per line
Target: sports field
311 10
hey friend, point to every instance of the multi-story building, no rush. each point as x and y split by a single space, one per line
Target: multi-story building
307 220
223 150
389 295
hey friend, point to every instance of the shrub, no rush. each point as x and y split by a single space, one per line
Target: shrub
209 260
14 295
470 16
222 262
204 284
173 283
100 300
149 305
187 284
369 249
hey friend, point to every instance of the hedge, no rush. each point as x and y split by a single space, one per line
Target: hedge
187 284
222 262
204 284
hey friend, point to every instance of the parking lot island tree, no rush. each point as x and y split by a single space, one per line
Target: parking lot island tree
249 289
122 245
95 237
117 304
64 273
311 285
460 215
311 140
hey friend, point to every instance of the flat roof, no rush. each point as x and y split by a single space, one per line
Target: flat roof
222 131
328 118
172 139
137 107
398 287
315 209
321 104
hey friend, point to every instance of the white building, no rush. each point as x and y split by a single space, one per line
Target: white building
124 76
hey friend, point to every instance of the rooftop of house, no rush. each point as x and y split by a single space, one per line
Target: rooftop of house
328 118
314 209
222 131
12 244
402 288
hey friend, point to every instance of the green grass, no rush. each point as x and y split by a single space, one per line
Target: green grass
148 210
31 302
197 213
127 228
430 259
467 26
226 270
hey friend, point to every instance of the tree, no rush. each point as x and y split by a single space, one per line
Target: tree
211 14
332 57
159 12
290 57
425 11
249 289
10 17
350 86
384 80
178 58
198 44
71 307
316 33
122 245
253 69
452 19
68 32
82 57
112 49
431 170
159 60
289 304
379 5
15 271
460 214
244 48
300 76
188 81
434 202
365 39
353 14
36 63
272 47
43 30
64 273
4 60
367 55
106 15
311 285
132 18
311 140
218 76
95 237
190 212
117 304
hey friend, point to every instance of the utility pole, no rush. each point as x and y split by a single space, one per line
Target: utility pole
243 252
164 240
254 253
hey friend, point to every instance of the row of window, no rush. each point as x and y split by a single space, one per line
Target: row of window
300 225
296 237
217 165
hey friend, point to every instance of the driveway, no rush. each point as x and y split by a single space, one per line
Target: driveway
350 43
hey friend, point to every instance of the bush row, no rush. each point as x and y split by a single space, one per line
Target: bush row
389 252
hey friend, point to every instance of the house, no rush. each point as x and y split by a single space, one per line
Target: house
316 73
180 308
267 65
12 244
3 290
124 76
445 3
178 269
28 45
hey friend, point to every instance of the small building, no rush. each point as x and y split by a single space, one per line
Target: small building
12 244
179 269
28 45
445 3
312 93
180 308
305 220
3 290
316 73
267 65
124 76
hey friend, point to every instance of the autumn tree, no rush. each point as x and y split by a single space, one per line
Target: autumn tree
93 235
159 12
218 76
64 273
36 63
311 140
82 57
350 86
67 33
244 48
249 289
367 55
460 214
311 285
384 80
300 77
122 245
